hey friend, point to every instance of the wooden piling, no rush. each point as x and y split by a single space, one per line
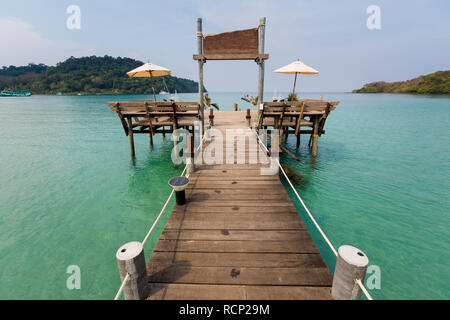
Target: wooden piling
315 136
131 138
190 156
275 146
150 126
261 38
235 107
200 72
211 117
248 117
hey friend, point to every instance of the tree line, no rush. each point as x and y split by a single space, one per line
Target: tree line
88 75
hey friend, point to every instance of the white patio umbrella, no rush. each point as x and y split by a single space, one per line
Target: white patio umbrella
149 70
296 67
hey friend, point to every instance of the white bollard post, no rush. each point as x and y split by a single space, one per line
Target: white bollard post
190 153
130 259
351 264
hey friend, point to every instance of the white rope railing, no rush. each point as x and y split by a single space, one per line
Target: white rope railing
126 278
358 281
366 293
119 292
162 210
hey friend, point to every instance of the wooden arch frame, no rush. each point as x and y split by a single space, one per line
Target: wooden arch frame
235 45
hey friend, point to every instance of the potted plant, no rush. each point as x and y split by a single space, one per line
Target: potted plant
208 103
250 99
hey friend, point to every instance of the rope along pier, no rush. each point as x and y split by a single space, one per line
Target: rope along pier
357 281
147 236
341 281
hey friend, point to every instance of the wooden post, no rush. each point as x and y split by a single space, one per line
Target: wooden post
130 136
261 36
235 107
275 147
130 259
351 264
190 153
299 119
200 72
150 125
315 136
248 117
211 117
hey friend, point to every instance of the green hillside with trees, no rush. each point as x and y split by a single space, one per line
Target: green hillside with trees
433 83
88 75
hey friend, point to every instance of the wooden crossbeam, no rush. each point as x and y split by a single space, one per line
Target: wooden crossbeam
231 56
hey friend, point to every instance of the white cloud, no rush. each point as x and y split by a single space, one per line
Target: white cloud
22 44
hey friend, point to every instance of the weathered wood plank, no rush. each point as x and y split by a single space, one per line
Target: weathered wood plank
233 234
212 191
260 260
208 179
236 183
238 236
231 56
227 172
234 221
198 195
183 273
269 246
175 291
287 293
241 203
193 207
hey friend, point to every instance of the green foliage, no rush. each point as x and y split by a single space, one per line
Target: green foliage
291 97
250 99
208 102
434 83
294 176
88 75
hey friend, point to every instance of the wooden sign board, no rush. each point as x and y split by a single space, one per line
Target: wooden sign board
234 42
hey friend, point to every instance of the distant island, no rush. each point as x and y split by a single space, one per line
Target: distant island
433 83
88 75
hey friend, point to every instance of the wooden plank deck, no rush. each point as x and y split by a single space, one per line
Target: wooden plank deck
238 237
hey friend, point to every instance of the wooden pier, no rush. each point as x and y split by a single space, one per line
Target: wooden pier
238 237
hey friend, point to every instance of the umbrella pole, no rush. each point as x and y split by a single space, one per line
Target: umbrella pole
151 79
293 90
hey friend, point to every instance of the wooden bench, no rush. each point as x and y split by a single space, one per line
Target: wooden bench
149 117
289 117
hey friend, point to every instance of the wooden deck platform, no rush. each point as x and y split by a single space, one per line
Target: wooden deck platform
238 237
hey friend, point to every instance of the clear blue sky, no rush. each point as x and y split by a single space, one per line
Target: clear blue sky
330 36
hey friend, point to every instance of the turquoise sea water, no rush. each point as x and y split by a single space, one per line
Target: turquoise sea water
70 195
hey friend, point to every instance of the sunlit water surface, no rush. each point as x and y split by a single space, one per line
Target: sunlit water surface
70 195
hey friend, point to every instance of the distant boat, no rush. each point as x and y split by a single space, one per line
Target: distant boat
174 97
276 97
166 91
15 93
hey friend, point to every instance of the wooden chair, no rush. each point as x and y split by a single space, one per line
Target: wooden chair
151 118
289 117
